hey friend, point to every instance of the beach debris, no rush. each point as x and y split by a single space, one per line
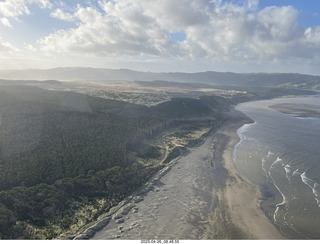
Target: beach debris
123 211
146 189
119 221
117 216
86 234
81 237
121 229
135 224
137 199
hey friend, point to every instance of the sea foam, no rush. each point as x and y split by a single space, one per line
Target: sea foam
240 133
289 173
315 187
278 160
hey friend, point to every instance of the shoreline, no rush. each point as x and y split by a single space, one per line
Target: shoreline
240 199
202 189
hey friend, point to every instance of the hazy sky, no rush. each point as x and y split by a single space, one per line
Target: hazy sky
162 35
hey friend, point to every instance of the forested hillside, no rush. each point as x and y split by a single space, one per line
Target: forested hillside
61 151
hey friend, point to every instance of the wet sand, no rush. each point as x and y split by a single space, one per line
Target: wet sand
200 195
299 110
239 215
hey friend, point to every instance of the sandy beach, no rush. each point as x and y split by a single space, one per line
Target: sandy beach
238 215
200 195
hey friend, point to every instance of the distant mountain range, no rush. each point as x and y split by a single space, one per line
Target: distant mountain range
288 80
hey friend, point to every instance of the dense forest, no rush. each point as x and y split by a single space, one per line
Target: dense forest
61 151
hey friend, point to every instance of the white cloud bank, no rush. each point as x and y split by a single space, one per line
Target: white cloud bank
15 8
213 30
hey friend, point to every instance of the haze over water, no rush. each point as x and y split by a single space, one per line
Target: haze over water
281 153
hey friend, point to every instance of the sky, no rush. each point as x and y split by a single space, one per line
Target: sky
162 35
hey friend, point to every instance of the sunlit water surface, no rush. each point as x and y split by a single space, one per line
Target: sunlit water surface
281 153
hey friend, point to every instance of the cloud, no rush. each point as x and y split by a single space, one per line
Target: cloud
175 17
5 22
60 14
215 30
42 3
129 27
253 4
7 48
122 29
15 8
313 35
279 24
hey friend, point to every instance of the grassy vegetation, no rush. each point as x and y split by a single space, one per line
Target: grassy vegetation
146 99
310 85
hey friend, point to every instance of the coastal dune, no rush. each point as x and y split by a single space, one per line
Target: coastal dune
200 195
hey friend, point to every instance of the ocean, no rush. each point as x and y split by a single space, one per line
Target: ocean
281 154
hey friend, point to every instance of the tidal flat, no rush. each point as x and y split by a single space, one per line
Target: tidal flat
299 110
